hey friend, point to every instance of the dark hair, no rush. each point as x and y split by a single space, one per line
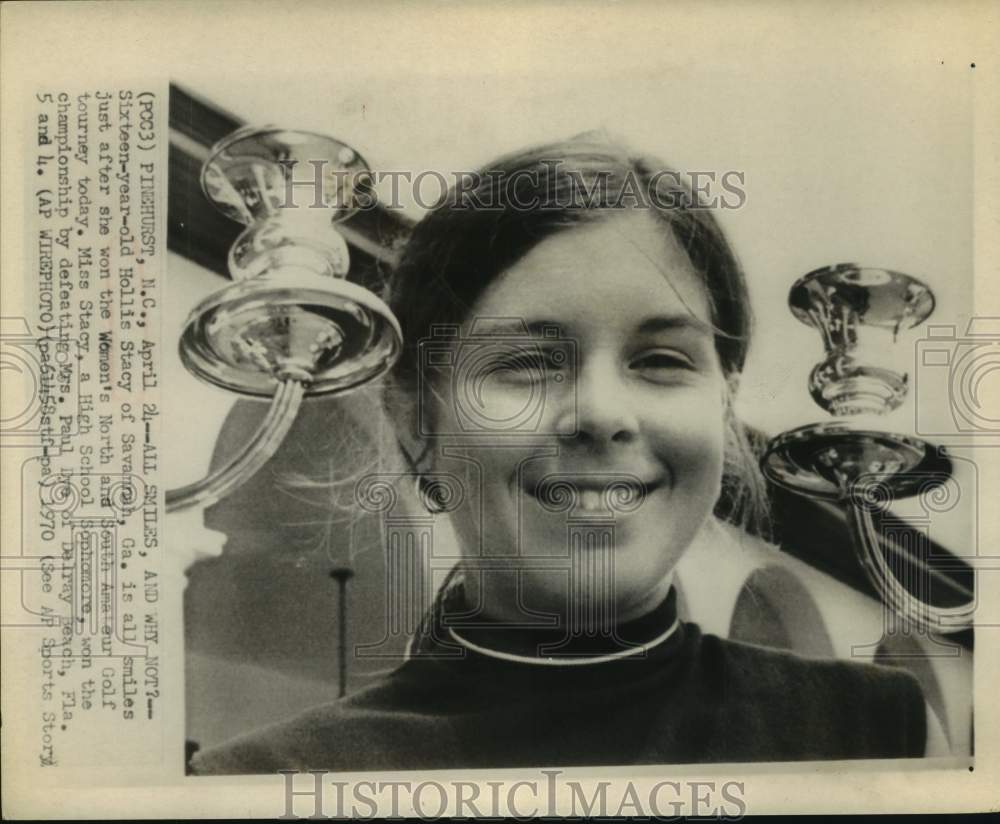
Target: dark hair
486 223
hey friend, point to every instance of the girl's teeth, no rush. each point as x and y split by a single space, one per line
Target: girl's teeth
590 500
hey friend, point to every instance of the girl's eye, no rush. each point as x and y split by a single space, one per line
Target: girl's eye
531 362
662 362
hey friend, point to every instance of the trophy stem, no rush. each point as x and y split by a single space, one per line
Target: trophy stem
261 447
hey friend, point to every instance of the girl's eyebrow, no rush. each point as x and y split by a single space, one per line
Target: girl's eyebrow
514 327
544 328
668 323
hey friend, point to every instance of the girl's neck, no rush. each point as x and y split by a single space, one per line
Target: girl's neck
500 617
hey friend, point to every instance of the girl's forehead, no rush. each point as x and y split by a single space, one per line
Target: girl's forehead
615 271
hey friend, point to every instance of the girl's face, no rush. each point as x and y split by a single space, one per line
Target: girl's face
631 391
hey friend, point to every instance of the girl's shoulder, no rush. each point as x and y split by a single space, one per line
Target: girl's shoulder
839 708
365 722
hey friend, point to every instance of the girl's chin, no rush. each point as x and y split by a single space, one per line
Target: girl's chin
560 538
633 595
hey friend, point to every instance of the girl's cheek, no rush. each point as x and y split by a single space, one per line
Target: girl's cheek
692 422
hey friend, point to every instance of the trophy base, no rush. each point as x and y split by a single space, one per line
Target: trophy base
328 334
827 460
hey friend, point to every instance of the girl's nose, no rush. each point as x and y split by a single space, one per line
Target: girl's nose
605 411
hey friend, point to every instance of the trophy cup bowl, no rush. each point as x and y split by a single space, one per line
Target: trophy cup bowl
255 334
291 315
827 460
849 305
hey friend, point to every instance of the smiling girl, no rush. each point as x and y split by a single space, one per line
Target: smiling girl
580 403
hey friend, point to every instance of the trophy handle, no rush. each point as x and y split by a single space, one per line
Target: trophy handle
862 502
260 448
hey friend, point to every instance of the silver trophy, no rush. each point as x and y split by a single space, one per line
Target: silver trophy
860 312
291 324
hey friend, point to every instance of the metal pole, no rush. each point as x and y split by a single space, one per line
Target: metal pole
341 575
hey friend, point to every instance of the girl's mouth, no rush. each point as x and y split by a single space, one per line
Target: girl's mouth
597 494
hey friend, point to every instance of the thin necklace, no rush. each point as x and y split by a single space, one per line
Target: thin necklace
566 662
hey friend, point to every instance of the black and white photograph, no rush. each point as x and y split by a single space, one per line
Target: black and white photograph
595 403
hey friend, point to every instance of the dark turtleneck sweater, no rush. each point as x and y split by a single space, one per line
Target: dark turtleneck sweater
691 698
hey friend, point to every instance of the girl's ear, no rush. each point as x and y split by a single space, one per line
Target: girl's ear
732 385
402 412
